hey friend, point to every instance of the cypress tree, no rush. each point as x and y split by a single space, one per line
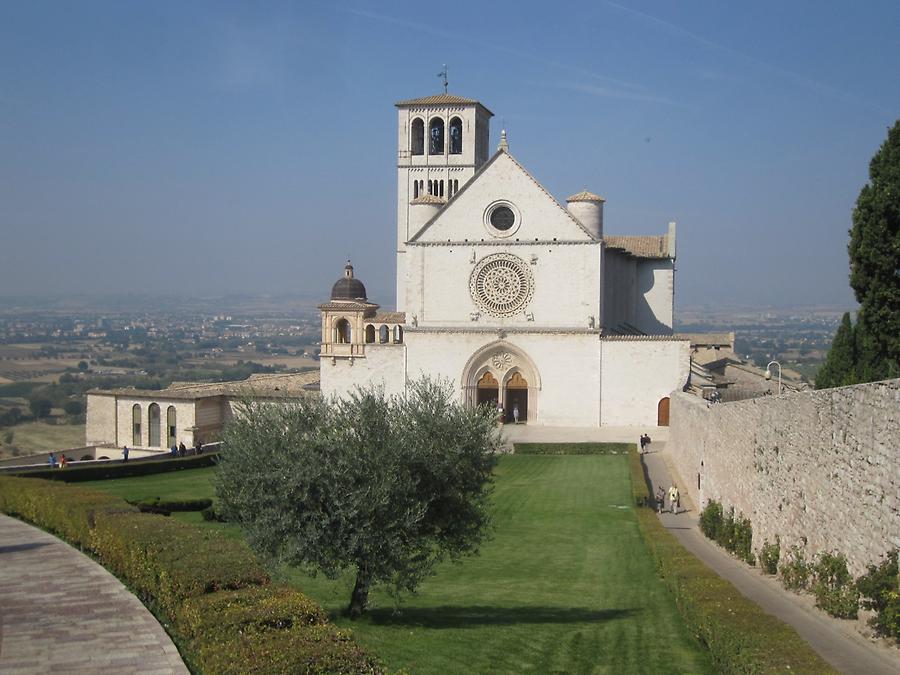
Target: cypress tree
875 265
839 368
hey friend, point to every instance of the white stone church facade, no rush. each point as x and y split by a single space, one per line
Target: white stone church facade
511 296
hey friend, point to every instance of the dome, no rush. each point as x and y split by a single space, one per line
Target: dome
348 288
585 196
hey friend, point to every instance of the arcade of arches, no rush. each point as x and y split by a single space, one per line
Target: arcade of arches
502 378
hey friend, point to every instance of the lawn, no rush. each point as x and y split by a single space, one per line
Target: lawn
564 585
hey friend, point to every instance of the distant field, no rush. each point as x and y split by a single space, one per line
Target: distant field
565 585
39 437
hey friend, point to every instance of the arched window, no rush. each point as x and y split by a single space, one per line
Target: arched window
153 424
398 334
136 425
441 189
456 136
429 188
455 186
417 137
342 331
370 334
383 334
170 424
436 137
421 187
415 189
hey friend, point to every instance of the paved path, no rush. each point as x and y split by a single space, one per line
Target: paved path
841 645
62 612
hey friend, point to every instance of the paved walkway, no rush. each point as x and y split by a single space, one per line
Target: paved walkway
835 641
62 612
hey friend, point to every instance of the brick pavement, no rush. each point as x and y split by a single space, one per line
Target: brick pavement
61 612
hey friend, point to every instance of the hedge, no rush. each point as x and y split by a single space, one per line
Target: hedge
571 448
740 636
210 591
74 473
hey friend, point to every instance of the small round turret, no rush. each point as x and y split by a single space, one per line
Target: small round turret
587 208
422 209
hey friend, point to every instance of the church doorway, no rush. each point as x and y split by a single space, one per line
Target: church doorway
488 390
517 398
662 412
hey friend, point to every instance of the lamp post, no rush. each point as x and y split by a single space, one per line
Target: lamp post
769 373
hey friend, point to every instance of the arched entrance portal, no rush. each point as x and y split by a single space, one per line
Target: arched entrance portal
501 373
488 390
516 398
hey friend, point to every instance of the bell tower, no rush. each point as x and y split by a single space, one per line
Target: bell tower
442 140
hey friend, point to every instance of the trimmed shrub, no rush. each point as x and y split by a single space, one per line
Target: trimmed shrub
733 533
175 505
75 473
209 590
880 589
711 519
741 637
769 556
571 448
833 586
211 514
168 561
796 572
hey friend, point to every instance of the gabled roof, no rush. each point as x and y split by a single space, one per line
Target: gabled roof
650 247
441 99
475 178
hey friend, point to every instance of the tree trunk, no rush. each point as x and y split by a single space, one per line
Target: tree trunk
360 597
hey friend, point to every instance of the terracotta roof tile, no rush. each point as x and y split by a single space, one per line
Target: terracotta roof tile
437 99
640 246
585 196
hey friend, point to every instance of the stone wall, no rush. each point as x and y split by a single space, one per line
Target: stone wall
820 468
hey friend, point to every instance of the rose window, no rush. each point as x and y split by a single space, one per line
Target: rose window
501 284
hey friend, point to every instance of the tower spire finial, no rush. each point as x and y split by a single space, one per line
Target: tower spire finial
443 74
503 145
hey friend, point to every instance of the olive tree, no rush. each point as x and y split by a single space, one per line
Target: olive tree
383 487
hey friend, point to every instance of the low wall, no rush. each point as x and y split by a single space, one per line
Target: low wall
820 468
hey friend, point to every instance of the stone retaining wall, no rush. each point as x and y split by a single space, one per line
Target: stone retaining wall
816 467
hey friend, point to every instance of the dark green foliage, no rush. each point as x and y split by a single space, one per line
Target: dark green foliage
833 586
73 408
796 571
75 473
740 636
40 406
212 514
880 590
769 556
157 505
571 448
875 264
385 487
839 368
211 591
734 534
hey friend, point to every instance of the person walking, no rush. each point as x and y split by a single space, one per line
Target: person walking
182 451
673 498
660 499
124 453
63 461
516 412
51 460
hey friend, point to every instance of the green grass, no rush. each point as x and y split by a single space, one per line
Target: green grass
564 585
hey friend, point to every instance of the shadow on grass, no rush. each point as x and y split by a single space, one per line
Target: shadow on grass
475 615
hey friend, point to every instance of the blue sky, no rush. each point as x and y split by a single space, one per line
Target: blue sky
219 146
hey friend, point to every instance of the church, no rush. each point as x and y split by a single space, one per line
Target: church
517 300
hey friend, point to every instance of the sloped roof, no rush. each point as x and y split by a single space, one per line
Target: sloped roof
260 384
441 99
651 247
388 317
585 196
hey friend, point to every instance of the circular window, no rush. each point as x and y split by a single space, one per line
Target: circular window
501 284
502 219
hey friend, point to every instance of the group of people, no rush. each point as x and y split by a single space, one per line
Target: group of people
62 462
501 413
674 499
179 450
